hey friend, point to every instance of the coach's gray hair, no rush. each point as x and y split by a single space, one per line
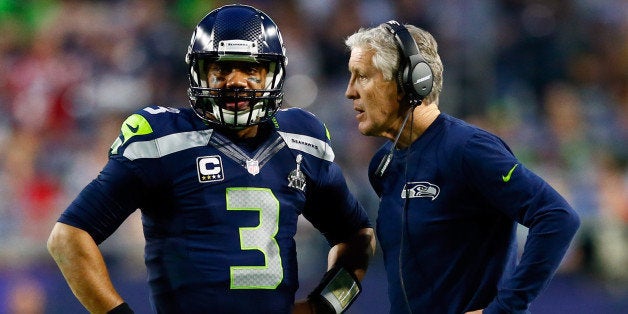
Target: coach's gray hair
386 57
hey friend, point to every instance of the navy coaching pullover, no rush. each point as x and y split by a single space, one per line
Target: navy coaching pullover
449 236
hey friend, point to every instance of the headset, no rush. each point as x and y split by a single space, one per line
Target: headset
415 75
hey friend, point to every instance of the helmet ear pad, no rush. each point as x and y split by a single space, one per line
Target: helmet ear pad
415 76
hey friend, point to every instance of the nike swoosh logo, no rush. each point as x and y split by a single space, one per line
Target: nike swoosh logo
506 178
133 129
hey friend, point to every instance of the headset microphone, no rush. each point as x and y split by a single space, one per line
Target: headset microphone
383 165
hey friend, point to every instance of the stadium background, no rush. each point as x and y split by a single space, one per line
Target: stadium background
550 77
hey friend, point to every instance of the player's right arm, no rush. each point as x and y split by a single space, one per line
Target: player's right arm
83 267
100 208
95 214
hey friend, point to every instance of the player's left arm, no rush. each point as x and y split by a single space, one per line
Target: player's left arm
334 211
347 263
354 254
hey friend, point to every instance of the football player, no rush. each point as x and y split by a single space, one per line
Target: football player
220 187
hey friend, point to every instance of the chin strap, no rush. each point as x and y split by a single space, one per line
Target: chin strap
337 290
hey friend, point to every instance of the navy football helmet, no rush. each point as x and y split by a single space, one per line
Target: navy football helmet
236 33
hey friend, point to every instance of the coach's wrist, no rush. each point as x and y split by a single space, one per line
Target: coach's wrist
123 308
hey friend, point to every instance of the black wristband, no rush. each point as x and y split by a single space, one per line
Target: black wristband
320 305
336 292
121 309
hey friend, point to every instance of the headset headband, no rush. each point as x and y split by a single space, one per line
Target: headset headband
415 74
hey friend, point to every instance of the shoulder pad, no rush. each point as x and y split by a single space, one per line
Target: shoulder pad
156 131
303 131
297 120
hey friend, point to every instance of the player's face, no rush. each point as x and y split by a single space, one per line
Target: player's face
375 99
236 75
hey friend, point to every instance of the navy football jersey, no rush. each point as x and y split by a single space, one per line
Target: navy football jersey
219 214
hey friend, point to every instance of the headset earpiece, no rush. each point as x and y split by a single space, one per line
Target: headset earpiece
415 75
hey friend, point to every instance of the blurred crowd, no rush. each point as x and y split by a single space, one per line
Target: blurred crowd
550 77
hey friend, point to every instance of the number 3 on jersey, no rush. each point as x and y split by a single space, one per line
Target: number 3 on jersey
260 237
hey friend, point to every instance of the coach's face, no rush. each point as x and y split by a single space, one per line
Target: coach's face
375 99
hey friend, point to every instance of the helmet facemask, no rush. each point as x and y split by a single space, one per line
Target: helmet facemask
220 105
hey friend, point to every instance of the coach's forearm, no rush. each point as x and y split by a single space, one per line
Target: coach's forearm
83 267
355 254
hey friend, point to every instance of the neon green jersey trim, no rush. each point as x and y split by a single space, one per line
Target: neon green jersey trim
135 124
327 132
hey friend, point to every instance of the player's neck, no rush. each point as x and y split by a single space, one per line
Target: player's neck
249 132
249 138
